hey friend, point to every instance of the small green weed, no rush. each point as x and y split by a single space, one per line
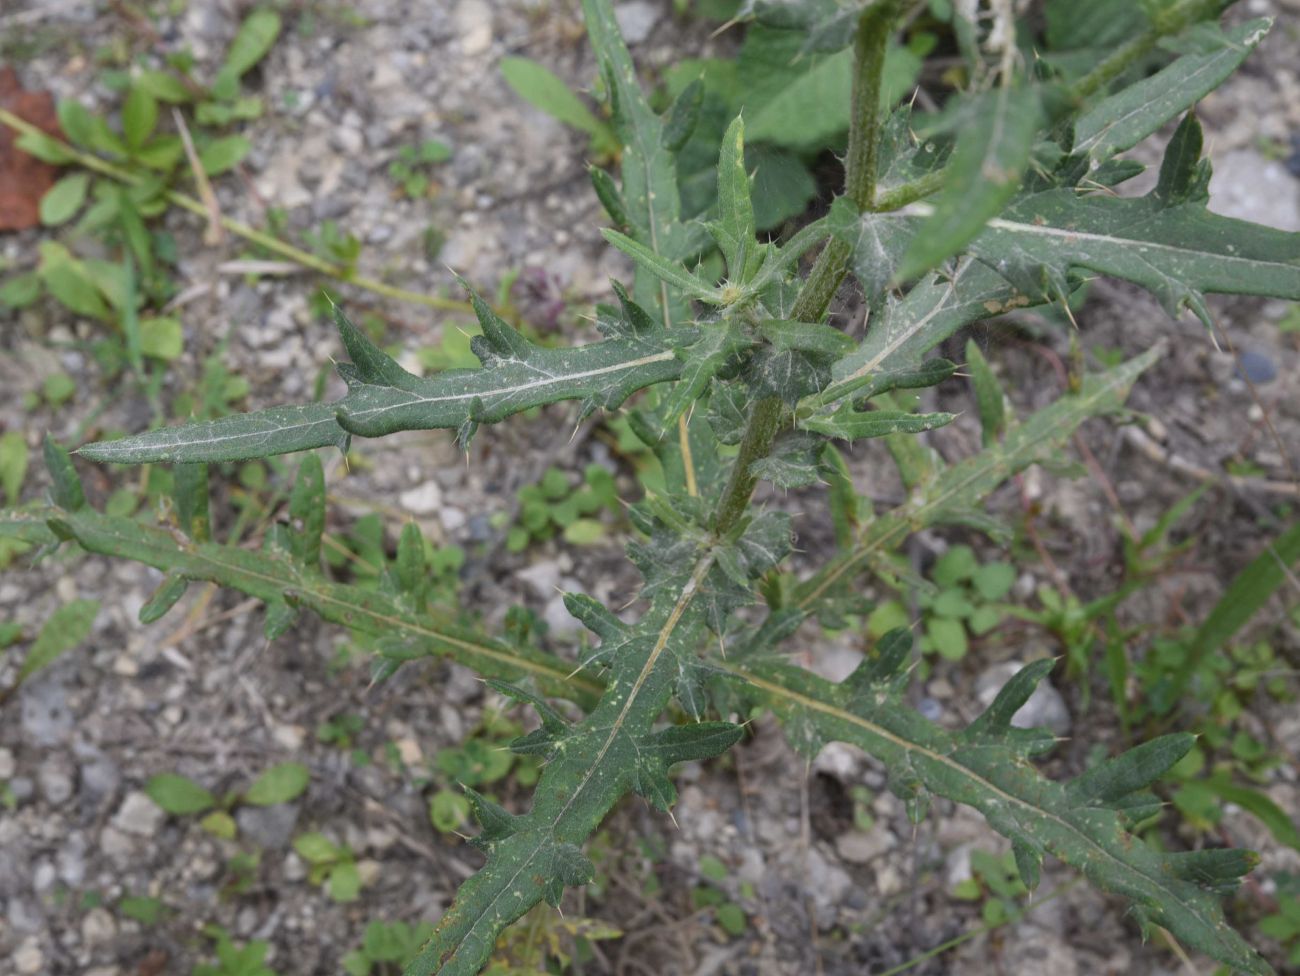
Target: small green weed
385 948
411 166
233 960
554 505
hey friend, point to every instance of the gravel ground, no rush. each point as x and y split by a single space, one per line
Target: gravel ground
833 879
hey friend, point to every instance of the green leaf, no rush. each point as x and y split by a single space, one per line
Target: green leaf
802 101
65 491
161 338
987 766
307 515
257 35
139 117
850 425
20 290
538 86
1247 593
344 884
1185 252
984 172
13 464
670 272
989 398
178 794
316 848
163 86
66 627
279 784
169 591
70 282
734 230
62 201
278 430
383 398
221 155
1126 118
950 494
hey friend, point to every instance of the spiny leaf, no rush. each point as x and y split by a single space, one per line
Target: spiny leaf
953 491
1126 118
190 489
307 512
848 424
983 174
269 576
278 430
734 229
169 591
383 398
988 772
1178 253
65 490
670 272
988 394
1184 175
906 329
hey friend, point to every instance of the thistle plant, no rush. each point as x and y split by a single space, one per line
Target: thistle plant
1003 202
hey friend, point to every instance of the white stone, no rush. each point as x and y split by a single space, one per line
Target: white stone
860 847
98 927
29 959
139 815
474 22
8 766
422 500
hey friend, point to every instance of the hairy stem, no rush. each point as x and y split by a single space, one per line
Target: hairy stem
238 228
764 424
1172 21
860 164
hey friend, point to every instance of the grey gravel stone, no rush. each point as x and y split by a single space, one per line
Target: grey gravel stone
46 718
56 783
636 19
268 827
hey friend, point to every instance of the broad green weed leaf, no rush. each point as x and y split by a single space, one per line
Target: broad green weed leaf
161 338
224 154
62 201
538 86
13 464
279 784
139 117
67 627
256 36
179 794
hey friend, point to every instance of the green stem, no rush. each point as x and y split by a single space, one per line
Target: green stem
832 264
764 424
861 163
1172 21
236 227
